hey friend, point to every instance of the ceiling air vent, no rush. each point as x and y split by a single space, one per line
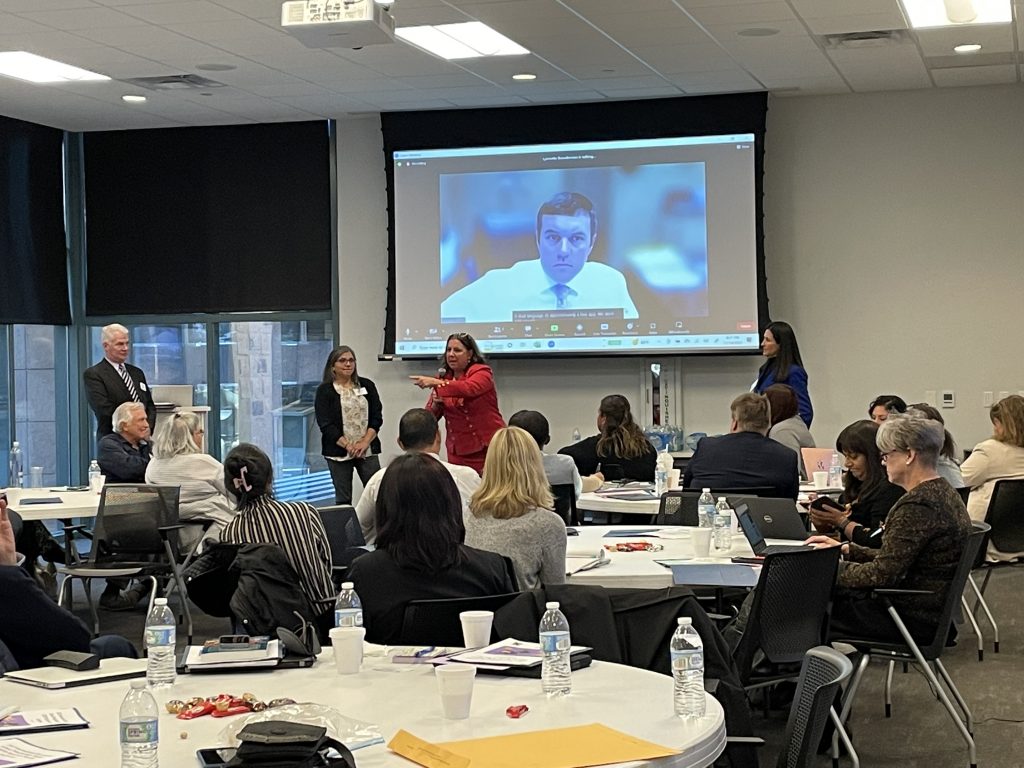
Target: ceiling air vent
881 38
174 83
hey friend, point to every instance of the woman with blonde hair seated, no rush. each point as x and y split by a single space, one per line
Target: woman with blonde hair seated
178 459
511 512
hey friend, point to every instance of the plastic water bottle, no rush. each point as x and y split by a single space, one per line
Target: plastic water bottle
139 728
706 509
555 671
723 524
348 609
661 470
160 639
687 652
16 478
94 475
835 471
576 437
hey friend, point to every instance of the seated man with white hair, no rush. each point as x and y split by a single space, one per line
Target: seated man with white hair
125 454
417 433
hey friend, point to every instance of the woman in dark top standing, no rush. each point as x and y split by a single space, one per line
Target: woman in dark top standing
620 443
867 493
420 553
784 366
350 415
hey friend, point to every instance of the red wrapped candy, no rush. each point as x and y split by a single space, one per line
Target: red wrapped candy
516 711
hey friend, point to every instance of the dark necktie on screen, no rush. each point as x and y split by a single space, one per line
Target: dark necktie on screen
562 293
128 382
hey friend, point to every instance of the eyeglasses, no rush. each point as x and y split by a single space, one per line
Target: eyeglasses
886 454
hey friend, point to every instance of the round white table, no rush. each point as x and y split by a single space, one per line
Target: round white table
641 569
393 696
72 503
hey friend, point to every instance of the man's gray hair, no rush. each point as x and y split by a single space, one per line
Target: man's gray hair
904 432
123 414
108 331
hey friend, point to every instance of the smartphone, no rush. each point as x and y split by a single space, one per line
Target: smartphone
755 560
826 504
215 758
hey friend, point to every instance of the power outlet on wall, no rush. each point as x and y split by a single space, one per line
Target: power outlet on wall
986 399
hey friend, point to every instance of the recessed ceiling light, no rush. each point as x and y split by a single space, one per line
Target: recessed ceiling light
468 40
133 98
38 69
957 13
967 48
524 76
758 32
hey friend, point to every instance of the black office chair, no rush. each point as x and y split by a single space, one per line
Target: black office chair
345 537
678 508
135 535
565 503
926 657
758 490
1005 517
781 629
436 622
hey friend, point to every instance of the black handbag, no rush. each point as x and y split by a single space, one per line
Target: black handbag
283 744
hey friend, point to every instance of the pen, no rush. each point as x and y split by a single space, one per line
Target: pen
424 651
875 533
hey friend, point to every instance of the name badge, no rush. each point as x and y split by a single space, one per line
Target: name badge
362 390
143 387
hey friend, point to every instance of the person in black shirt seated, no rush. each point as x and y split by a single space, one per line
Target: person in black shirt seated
867 493
620 451
124 454
420 553
746 457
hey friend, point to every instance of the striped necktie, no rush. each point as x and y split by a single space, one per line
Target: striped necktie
562 292
128 382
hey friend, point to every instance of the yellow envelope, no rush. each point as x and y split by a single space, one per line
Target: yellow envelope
576 747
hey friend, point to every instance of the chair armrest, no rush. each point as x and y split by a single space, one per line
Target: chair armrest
163 530
892 591
70 529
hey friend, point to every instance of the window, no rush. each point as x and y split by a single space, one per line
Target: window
269 372
40 400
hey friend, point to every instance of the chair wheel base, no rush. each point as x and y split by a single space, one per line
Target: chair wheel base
995 646
981 655
888 710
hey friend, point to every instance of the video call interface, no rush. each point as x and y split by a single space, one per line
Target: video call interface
634 247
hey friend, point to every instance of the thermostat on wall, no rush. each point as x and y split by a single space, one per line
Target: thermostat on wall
948 398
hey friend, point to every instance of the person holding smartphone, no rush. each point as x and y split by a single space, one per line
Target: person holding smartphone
867 497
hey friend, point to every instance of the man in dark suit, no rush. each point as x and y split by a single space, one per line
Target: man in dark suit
112 381
746 457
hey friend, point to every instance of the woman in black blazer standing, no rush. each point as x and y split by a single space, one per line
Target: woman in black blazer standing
350 415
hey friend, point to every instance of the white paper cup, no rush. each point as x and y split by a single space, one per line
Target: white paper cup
348 649
476 628
35 477
701 538
821 480
455 684
673 479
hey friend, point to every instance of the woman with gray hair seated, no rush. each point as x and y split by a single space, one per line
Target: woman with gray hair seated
178 459
925 532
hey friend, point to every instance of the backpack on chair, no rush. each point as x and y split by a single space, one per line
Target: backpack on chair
268 594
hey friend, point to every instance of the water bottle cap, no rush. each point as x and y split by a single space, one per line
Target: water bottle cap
552 606
160 601
15 444
138 684
685 621
705 490
347 585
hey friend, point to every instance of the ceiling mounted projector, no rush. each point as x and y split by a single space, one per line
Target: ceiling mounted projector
337 23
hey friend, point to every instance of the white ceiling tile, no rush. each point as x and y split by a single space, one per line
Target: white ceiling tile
990 75
453 80
560 97
662 92
19 25
757 14
181 12
708 82
485 101
896 67
868 22
726 33
45 43
412 17
73 19
538 12
994 38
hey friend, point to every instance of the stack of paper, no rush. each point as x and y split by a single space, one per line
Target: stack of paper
269 656
32 720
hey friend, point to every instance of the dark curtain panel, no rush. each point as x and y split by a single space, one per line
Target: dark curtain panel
602 121
33 257
218 219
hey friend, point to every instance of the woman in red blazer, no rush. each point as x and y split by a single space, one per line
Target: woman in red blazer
466 397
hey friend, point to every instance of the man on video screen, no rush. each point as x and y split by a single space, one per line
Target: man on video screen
561 278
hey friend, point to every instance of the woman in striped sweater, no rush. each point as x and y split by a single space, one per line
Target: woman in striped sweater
292 525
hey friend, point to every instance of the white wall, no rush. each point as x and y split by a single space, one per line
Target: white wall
893 228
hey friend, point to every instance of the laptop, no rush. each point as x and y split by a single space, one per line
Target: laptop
776 518
750 528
